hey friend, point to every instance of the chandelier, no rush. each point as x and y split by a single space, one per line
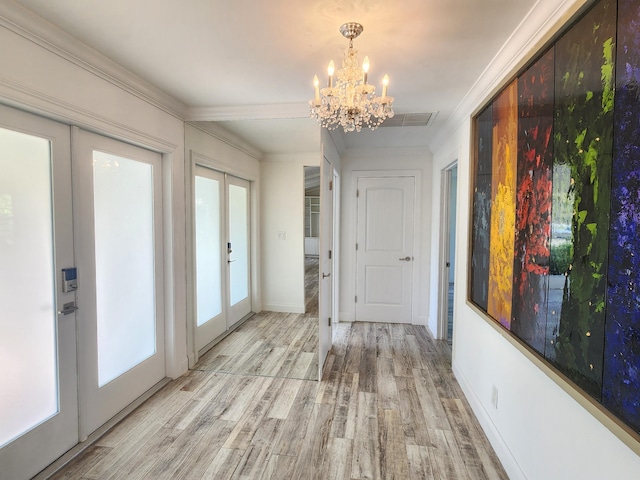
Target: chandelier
349 100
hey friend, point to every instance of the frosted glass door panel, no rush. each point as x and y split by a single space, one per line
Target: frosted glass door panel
38 364
208 249
239 238
124 256
28 343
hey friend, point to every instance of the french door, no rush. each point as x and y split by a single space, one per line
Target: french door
384 257
82 324
222 252
118 223
38 399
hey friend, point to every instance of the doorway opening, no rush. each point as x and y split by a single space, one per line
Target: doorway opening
311 239
448 250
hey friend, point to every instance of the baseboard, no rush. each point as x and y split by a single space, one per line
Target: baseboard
283 307
346 317
76 451
501 448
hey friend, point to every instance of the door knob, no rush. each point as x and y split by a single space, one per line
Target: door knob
405 259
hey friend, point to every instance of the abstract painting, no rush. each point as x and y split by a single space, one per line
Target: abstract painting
556 182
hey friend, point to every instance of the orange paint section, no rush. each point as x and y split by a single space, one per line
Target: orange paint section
503 204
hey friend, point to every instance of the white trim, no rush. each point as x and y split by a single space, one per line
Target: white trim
501 448
248 112
27 24
283 307
542 22
443 253
225 136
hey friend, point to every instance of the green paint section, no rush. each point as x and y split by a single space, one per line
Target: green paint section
583 142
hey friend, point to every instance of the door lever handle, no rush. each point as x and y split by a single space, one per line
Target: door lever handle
405 259
230 261
325 275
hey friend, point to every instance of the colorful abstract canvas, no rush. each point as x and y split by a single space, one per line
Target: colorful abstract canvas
557 181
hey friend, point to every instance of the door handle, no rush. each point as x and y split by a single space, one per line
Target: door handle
230 261
325 275
405 259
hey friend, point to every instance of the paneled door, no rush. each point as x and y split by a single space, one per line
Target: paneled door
384 256
38 381
119 238
222 254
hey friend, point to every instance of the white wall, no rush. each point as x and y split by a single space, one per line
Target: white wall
411 159
51 74
282 230
539 430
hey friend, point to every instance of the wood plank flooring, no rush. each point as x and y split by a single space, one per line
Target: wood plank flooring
268 344
388 407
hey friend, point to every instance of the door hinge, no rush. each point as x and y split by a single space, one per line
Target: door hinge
329 321
356 246
329 254
357 193
331 185
356 298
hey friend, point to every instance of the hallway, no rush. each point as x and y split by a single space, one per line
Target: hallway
387 407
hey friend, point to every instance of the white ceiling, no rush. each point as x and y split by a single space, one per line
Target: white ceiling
223 54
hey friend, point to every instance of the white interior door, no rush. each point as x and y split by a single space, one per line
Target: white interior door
118 200
38 399
238 253
384 256
325 293
210 255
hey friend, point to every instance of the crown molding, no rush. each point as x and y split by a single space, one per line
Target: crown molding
225 136
27 24
248 112
537 28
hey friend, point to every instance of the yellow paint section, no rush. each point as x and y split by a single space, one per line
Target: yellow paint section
503 204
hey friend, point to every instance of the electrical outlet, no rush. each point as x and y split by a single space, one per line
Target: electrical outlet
494 396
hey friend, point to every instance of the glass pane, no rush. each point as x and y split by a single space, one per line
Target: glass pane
239 238
125 283
28 347
208 268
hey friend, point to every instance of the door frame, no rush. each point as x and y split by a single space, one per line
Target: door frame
445 251
196 158
417 233
327 242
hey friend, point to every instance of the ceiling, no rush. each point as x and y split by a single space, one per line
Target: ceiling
242 62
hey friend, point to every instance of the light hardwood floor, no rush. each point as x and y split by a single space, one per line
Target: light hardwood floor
387 407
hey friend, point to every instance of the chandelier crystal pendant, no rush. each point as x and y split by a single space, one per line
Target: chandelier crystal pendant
349 100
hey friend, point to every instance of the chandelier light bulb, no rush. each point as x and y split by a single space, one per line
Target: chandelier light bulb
365 69
330 71
350 101
316 84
